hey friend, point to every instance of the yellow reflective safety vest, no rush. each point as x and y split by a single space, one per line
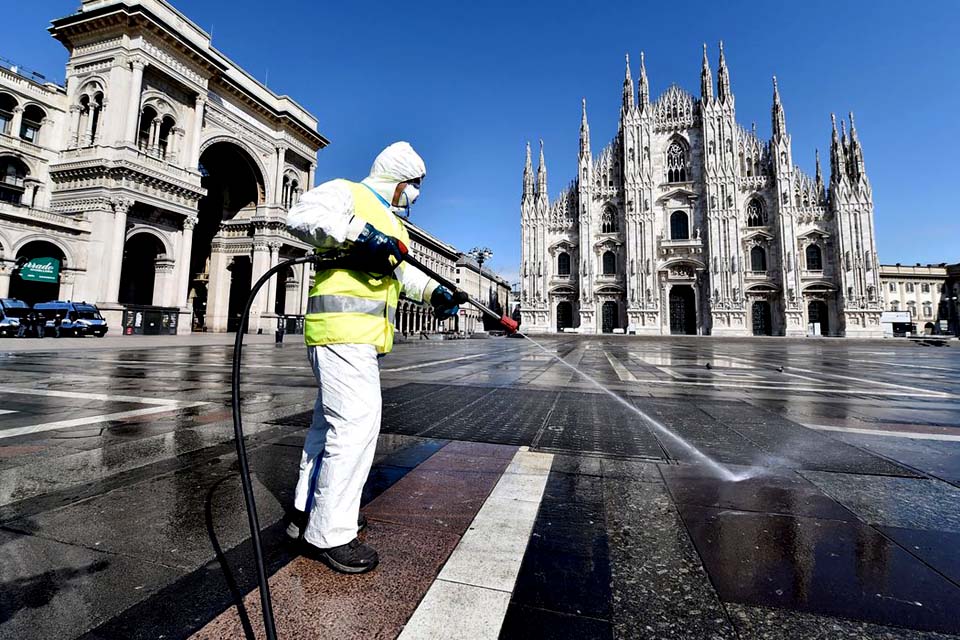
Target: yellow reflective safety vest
354 307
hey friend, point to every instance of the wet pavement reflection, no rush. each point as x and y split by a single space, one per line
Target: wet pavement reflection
117 468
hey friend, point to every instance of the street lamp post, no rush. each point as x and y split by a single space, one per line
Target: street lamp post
481 255
952 316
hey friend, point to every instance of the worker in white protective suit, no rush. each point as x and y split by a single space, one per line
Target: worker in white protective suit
349 323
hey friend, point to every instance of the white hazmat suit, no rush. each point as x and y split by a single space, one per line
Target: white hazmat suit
339 448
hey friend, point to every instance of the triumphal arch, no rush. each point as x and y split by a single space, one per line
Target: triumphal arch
163 172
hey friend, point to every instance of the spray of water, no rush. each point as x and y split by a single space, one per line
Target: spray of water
718 469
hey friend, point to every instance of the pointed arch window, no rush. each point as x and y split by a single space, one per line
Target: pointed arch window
609 223
758 259
814 258
563 264
609 263
676 162
679 226
756 214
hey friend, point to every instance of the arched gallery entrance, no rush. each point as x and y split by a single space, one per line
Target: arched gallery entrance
564 315
138 277
34 291
234 187
610 316
818 318
762 318
683 310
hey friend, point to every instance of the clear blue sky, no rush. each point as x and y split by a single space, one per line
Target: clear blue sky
469 83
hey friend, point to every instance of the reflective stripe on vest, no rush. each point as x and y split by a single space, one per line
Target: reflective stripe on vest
345 304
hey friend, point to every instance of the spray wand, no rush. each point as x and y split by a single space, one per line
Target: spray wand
460 296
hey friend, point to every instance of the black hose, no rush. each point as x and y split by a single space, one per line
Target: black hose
266 604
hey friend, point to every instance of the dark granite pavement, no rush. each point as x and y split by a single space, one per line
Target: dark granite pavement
842 521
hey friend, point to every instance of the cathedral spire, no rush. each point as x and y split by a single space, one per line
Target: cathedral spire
584 132
628 88
856 151
838 161
723 78
528 175
706 79
542 175
644 85
779 119
821 192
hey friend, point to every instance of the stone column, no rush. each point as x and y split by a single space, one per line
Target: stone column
261 262
193 160
6 269
278 184
154 146
43 134
164 289
218 288
305 285
311 176
74 133
186 249
133 105
271 302
17 121
66 285
291 303
120 208
88 125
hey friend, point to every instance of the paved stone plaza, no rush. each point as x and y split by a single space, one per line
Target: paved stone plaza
510 496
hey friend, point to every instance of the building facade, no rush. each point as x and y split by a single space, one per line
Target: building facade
158 177
929 293
486 287
688 223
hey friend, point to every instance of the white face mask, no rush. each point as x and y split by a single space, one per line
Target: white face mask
407 197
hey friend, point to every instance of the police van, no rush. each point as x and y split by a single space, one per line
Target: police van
11 310
74 318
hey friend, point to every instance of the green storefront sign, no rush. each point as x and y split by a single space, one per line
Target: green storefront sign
41 270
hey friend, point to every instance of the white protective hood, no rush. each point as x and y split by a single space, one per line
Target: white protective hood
395 164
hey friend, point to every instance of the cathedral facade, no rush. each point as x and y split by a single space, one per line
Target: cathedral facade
688 223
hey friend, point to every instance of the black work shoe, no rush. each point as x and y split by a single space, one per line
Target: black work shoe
353 557
297 524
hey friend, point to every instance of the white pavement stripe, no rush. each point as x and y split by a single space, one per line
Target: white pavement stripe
4 411
433 362
469 598
890 434
82 395
622 372
79 422
826 374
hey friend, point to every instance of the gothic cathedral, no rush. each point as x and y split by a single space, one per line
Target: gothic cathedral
687 223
